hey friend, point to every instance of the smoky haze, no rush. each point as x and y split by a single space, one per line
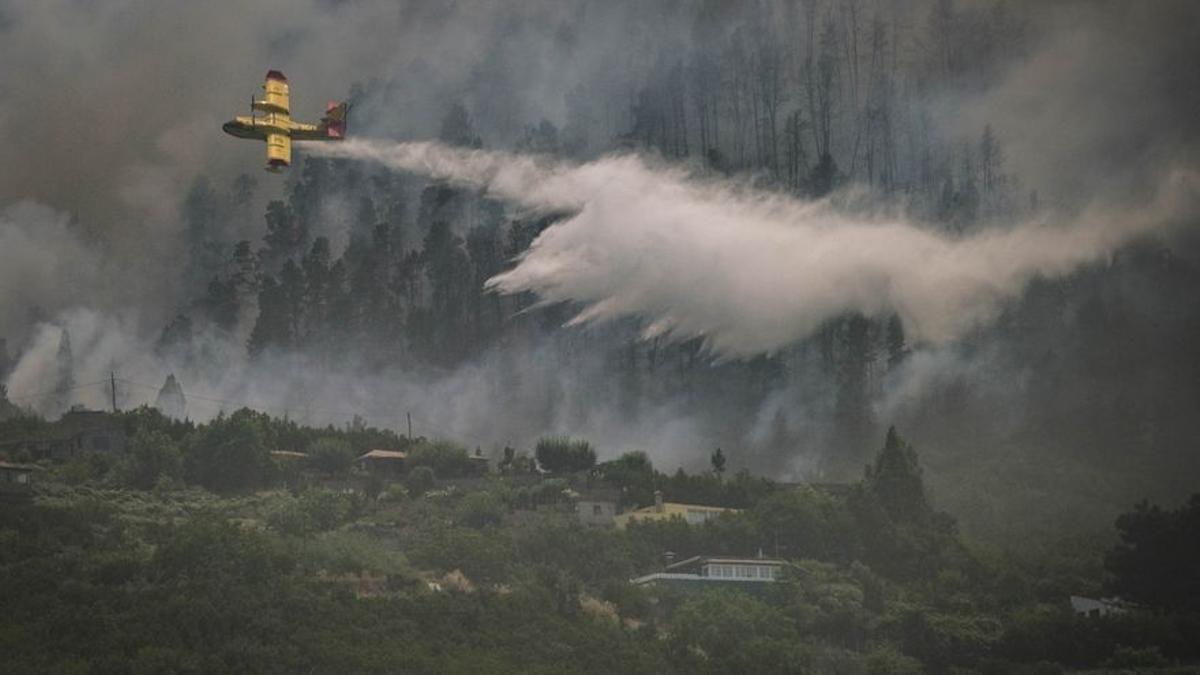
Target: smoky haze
755 175
751 272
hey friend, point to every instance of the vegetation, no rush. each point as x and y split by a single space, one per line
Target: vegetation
126 568
202 548
563 455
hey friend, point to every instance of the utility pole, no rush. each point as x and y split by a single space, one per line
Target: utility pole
409 416
113 379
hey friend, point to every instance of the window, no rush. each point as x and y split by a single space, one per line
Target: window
597 510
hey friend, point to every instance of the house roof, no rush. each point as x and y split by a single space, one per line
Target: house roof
669 510
19 467
677 508
704 560
598 496
288 453
385 454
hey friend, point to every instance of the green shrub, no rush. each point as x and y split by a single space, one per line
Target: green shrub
229 453
419 481
559 454
480 509
313 511
153 455
331 456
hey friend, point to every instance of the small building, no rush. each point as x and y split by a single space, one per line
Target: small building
383 462
79 431
293 468
1083 606
713 571
478 464
16 481
692 514
597 507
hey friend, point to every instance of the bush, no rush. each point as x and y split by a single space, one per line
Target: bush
1131 657
887 660
331 456
351 552
559 454
84 468
419 481
153 455
313 511
214 551
446 459
480 509
229 454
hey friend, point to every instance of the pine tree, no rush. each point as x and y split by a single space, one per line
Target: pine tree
220 303
273 328
294 312
458 129
65 373
316 266
286 236
6 361
895 480
171 401
242 191
448 271
201 210
897 349
718 462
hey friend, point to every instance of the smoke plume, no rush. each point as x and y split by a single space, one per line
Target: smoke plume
751 271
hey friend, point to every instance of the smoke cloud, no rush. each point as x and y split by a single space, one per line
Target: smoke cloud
111 111
751 271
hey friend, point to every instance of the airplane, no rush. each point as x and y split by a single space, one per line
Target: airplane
278 129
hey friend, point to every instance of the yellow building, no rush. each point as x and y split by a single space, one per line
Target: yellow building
692 514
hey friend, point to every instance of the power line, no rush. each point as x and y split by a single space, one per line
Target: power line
286 411
54 392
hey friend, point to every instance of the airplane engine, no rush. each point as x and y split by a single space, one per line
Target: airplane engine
279 152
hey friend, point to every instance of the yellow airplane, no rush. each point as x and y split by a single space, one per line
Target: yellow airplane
276 127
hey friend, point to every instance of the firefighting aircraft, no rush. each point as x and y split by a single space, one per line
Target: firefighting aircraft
276 126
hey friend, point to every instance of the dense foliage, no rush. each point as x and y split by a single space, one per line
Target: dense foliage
123 569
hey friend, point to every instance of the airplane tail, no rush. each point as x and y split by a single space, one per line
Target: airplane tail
335 120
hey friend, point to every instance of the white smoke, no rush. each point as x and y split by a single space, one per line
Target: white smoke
751 271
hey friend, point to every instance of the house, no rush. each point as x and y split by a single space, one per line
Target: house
1083 606
597 507
16 481
478 464
693 514
93 430
715 572
78 431
383 462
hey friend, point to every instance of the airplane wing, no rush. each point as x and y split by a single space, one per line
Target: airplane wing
277 97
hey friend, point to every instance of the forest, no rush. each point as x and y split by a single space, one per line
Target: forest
198 550
936 502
